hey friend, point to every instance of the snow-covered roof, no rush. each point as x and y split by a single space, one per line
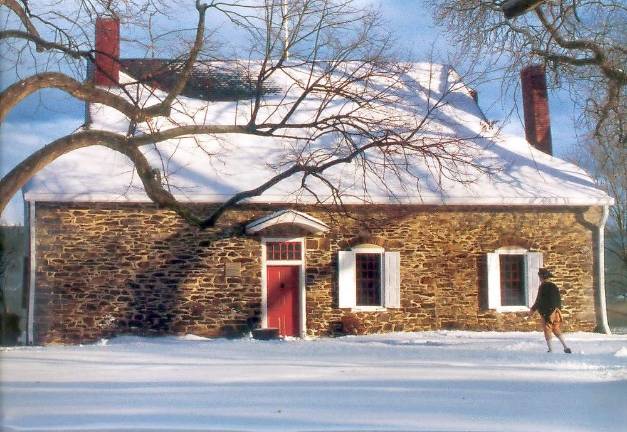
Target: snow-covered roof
214 168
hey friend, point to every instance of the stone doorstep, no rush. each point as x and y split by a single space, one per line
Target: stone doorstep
269 333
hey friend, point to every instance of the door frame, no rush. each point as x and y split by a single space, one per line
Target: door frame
302 325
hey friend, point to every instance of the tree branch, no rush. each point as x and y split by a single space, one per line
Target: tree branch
189 63
599 56
44 45
13 181
26 22
15 93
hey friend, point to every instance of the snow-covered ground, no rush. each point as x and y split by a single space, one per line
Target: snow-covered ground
445 380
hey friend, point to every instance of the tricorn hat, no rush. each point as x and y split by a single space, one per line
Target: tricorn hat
545 273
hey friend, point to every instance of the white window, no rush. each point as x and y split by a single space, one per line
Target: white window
369 278
513 279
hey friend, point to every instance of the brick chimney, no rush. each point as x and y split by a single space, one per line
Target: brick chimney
107 70
536 108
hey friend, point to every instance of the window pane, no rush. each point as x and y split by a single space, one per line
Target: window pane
281 251
512 280
368 278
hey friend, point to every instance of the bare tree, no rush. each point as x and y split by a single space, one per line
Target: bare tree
607 163
330 58
583 45
582 42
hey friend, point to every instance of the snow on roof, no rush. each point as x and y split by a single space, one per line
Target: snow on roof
213 168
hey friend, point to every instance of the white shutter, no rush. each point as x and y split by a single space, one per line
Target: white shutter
533 262
346 279
392 279
494 281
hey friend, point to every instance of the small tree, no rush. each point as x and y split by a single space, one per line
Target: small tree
336 59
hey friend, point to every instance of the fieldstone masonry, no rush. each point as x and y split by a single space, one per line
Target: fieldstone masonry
107 269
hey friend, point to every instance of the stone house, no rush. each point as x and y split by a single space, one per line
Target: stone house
104 260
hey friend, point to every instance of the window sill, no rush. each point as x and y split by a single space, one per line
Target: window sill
368 309
502 309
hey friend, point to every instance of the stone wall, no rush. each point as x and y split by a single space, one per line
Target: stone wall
111 269
106 269
443 281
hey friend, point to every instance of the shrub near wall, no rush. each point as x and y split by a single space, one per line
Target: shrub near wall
106 269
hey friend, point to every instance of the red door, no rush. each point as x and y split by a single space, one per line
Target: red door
283 299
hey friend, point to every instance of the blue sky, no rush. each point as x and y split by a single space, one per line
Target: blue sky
50 114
